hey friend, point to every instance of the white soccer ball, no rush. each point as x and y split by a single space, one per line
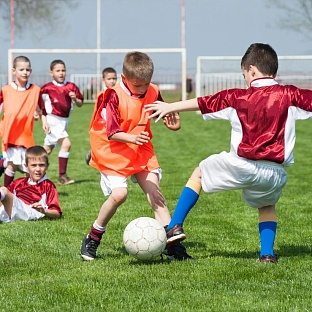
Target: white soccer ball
144 238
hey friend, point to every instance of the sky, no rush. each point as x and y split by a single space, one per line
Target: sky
222 27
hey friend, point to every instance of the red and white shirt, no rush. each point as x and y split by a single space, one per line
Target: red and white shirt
262 118
56 98
43 191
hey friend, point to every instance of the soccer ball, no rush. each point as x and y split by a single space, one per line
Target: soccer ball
144 238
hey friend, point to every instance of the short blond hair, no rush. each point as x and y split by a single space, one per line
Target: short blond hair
36 152
21 58
138 65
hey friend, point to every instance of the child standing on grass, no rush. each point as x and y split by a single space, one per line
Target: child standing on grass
33 197
263 136
120 138
59 97
19 101
109 79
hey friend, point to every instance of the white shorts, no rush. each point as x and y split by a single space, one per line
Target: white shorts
58 126
17 155
261 182
108 182
20 211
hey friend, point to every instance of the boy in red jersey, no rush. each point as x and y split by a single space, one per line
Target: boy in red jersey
59 97
109 79
120 138
33 197
263 137
19 101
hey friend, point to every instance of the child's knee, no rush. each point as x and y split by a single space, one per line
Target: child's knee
119 195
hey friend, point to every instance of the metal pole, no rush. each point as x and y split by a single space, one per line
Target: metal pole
98 45
183 47
12 22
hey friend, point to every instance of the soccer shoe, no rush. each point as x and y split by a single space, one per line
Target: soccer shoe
176 234
178 252
88 248
268 259
88 157
65 180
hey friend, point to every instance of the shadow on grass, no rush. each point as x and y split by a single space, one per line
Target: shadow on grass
282 251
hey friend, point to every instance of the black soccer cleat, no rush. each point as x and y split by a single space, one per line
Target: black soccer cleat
176 234
88 248
268 259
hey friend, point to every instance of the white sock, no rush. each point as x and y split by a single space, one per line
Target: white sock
98 227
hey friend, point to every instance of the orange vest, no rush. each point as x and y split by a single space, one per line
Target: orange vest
17 122
118 158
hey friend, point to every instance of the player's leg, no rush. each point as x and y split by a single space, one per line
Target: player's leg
186 202
3 165
267 232
116 188
48 148
15 162
149 182
268 181
63 157
6 197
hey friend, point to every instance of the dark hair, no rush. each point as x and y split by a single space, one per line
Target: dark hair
55 62
108 70
37 152
138 65
263 57
21 58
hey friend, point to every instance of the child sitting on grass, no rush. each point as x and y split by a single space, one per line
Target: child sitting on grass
33 197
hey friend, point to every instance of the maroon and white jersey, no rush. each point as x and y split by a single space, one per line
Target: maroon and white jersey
262 118
56 98
44 191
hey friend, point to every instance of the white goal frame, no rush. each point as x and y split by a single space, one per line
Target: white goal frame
182 51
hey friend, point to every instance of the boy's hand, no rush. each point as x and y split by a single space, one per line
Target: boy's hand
141 138
38 207
172 121
159 109
72 95
46 128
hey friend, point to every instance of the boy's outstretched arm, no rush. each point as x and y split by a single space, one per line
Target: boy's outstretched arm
160 109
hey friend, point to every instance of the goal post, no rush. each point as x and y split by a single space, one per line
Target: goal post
181 51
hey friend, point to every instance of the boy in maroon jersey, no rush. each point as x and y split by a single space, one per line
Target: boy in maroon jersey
263 136
59 96
33 197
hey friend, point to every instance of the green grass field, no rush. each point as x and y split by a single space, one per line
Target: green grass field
41 269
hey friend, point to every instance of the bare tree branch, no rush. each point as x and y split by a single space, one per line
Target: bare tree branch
298 16
39 17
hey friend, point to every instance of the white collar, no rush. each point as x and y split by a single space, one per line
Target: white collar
16 87
263 82
34 183
59 84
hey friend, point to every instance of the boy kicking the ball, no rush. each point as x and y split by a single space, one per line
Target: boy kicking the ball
263 120
33 197
120 138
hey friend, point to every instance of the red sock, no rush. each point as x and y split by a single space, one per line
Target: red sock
62 165
96 234
7 180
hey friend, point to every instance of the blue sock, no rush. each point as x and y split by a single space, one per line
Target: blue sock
187 200
267 231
